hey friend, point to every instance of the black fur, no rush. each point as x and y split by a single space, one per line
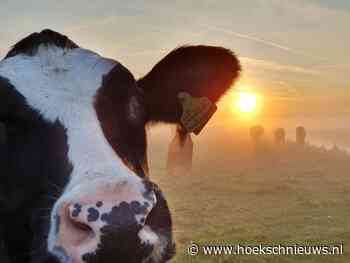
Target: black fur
93 215
3 134
126 136
34 169
30 44
160 221
77 210
127 240
202 71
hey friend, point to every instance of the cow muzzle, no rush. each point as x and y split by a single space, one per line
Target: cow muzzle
124 222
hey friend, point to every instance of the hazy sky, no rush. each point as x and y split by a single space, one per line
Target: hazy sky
295 53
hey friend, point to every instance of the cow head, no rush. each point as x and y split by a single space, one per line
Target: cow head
75 125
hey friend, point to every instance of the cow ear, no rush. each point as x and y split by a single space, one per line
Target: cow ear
185 85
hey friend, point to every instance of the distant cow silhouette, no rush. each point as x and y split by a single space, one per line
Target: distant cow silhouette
280 136
300 134
256 133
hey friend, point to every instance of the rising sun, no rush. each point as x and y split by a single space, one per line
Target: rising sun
246 102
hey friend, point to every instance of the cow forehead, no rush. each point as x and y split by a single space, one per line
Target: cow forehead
61 84
57 76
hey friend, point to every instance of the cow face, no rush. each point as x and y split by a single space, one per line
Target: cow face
76 125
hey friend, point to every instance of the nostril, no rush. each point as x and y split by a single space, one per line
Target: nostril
81 226
76 219
73 229
76 234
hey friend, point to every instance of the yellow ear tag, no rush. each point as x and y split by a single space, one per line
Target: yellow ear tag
196 112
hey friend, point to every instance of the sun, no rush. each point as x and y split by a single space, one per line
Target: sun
246 102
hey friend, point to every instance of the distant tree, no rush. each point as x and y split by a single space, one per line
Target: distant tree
180 153
280 136
300 134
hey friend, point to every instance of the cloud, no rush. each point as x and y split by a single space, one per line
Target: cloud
333 67
270 65
265 42
248 37
307 11
283 91
87 26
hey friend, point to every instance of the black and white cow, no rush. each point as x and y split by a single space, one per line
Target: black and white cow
74 183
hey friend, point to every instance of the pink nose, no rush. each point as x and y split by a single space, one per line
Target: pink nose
82 224
82 221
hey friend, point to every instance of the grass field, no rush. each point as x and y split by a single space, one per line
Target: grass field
288 196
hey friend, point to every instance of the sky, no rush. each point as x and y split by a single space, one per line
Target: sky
294 53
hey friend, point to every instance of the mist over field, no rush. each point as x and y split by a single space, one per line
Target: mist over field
287 194
321 131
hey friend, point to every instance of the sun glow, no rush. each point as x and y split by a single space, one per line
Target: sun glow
246 102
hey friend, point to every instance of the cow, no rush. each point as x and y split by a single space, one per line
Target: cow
280 136
74 180
300 135
256 133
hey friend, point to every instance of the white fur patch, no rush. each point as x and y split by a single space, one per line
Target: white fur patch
62 84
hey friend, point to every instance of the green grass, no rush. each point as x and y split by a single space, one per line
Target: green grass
285 196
